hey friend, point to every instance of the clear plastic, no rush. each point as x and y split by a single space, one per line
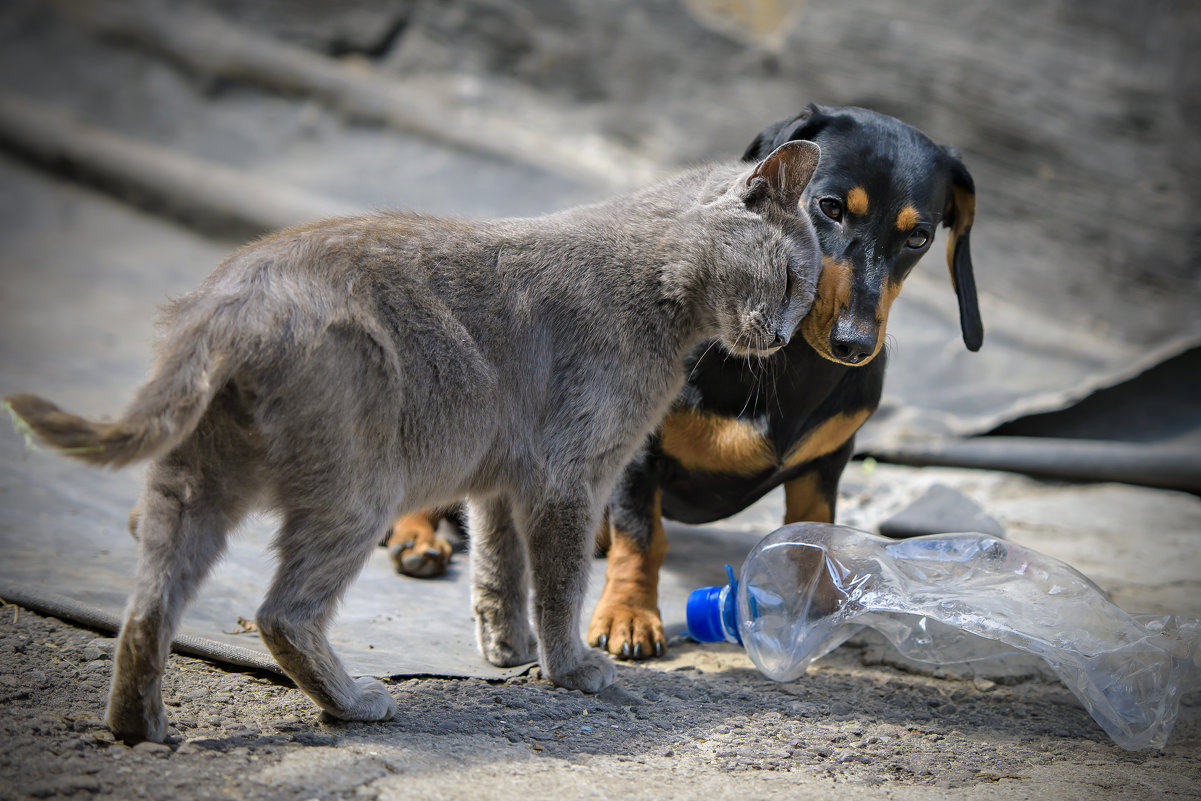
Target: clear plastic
954 598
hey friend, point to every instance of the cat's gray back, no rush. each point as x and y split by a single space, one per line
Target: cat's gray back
507 330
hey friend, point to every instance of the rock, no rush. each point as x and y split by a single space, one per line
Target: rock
941 510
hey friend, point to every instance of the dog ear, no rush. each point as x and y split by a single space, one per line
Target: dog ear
803 126
784 174
958 218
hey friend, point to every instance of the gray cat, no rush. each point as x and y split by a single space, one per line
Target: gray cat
341 371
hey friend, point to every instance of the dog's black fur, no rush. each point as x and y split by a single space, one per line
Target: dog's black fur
743 427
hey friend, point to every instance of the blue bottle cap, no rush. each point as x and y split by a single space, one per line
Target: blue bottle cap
711 617
704 615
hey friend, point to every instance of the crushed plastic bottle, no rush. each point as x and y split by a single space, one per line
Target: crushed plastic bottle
953 598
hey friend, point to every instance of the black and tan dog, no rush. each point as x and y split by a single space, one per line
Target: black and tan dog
742 428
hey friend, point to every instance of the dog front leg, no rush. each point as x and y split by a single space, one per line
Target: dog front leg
811 496
626 621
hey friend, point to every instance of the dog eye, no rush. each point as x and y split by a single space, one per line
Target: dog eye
831 208
917 240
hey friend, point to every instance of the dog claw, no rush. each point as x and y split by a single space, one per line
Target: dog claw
627 631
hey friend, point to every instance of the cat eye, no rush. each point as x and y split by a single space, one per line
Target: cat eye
917 240
831 208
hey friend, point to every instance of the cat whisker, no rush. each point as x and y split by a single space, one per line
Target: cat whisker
700 358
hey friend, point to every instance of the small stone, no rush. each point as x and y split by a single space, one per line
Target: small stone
941 510
158 749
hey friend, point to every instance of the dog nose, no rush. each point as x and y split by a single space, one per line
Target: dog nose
779 339
851 346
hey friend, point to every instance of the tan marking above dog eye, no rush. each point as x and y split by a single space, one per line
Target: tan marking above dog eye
907 218
857 201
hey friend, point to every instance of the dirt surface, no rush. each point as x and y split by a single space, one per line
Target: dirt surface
702 722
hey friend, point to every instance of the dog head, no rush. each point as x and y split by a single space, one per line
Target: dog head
879 194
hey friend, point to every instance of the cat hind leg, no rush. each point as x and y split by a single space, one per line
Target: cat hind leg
319 556
185 515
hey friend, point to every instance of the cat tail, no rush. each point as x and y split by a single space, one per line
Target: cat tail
164 411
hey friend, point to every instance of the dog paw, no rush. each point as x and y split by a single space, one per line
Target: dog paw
417 561
591 672
372 702
627 631
416 549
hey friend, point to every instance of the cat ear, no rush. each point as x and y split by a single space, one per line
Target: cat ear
784 174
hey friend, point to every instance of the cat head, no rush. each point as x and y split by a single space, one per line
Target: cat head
764 255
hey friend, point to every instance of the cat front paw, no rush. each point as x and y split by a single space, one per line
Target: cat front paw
590 672
506 646
503 653
371 703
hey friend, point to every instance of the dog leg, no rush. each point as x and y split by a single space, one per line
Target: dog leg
318 558
805 501
812 495
500 586
626 620
415 547
559 535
